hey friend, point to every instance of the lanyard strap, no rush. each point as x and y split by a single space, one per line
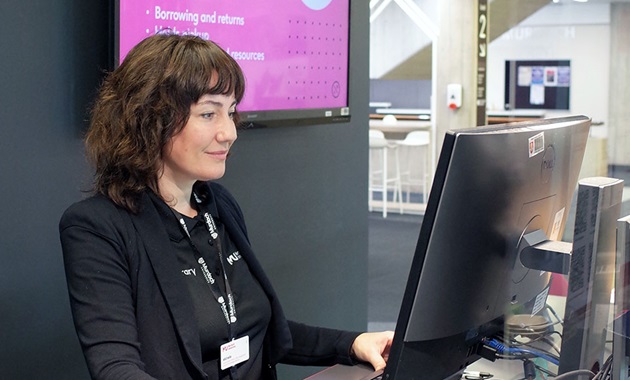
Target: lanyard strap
229 309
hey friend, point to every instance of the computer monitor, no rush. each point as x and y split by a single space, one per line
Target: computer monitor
621 324
587 313
496 189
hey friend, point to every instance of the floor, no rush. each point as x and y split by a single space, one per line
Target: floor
392 243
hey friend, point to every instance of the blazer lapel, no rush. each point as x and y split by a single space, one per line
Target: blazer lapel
150 228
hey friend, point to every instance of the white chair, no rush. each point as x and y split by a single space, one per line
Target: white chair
415 156
381 178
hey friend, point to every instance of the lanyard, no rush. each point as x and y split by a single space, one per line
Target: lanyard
229 309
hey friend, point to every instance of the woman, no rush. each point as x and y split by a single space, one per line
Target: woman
162 279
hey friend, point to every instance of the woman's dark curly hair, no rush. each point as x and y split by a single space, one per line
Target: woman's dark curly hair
145 102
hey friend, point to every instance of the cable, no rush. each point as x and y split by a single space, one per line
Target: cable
605 372
545 370
501 348
529 369
544 339
548 307
551 344
535 351
533 331
577 372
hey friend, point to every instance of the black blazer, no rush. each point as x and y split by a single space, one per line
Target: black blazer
131 309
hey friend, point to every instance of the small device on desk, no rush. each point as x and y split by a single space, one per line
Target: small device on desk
496 191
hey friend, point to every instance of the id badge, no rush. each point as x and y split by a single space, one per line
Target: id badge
234 352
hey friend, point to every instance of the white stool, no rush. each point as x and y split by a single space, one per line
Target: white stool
415 151
380 177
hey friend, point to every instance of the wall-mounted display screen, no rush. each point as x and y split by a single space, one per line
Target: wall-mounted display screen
537 84
294 53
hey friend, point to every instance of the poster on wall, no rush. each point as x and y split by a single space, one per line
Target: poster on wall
551 76
537 84
294 53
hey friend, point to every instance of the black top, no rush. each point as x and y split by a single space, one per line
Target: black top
131 306
252 306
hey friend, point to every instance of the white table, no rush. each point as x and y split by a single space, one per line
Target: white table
401 127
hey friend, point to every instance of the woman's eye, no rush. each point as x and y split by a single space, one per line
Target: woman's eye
232 114
207 115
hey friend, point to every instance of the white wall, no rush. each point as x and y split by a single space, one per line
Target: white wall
579 33
394 36
575 31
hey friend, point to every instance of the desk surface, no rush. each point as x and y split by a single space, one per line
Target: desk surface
500 370
344 372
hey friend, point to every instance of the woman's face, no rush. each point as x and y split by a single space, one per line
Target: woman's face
200 149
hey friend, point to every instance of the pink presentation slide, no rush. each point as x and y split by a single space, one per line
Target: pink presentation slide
294 52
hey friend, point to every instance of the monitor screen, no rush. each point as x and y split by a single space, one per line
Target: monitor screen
493 188
294 53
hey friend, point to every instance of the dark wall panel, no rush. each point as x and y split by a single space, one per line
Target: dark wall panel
46 75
